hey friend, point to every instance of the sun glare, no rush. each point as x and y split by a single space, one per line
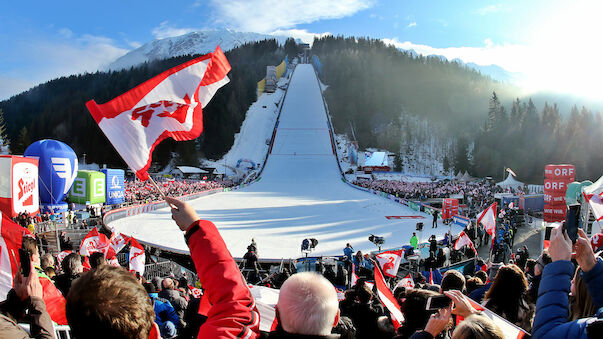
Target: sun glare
567 51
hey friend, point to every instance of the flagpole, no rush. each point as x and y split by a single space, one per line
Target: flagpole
157 187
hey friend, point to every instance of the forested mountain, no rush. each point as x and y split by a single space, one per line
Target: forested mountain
371 84
526 139
373 89
56 109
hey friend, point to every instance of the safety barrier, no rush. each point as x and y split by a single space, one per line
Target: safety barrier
150 207
280 109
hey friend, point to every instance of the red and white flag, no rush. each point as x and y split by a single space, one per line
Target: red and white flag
61 256
117 242
113 262
137 257
596 204
94 242
354 275
169 105
265 300
464 240
11 238
387 299
431 276
488 219
390 262
196 292
407 282
508 329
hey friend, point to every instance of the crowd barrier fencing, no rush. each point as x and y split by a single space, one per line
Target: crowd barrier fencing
125 212
60 331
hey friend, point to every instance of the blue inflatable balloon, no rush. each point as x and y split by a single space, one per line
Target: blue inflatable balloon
57 171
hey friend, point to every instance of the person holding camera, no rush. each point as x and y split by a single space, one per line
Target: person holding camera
24 304
552 306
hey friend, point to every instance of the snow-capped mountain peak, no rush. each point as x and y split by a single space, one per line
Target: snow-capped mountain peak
199 42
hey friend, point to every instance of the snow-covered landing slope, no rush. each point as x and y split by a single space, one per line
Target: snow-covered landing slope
300 195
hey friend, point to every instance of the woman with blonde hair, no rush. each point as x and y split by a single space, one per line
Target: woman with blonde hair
477 326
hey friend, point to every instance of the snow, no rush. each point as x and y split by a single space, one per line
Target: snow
377 159
251 142
200 42
299 195
191 170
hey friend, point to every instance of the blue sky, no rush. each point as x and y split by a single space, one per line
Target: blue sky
553 45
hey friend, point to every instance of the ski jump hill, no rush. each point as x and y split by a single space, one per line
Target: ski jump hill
300 194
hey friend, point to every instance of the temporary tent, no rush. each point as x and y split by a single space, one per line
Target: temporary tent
466 177
510 182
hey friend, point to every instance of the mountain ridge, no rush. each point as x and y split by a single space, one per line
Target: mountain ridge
197 42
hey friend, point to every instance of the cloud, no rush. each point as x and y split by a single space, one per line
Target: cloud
541 66
507 56
301 34
412 24
489 9
10 86
165 30
48 57
271 15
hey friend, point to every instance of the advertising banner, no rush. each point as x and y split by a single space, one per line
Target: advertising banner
19 185
115 189
556 182
450 207
88 188
565 172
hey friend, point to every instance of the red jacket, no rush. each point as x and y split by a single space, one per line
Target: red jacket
233 313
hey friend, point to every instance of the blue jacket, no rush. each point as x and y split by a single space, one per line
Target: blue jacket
552 306
348 252
164 311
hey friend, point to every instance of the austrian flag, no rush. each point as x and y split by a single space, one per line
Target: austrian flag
169 105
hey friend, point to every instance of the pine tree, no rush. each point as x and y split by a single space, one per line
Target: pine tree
446 164
22 142
516 112
461 162
398 163
4 142
494 110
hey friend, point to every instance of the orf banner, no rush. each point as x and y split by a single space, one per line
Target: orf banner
18 185
115 188
557 179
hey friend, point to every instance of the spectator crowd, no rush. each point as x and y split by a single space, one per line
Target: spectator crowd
557 296
140 192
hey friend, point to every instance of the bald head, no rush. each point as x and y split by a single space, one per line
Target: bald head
307 304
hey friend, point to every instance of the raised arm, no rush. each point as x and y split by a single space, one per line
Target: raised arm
233 313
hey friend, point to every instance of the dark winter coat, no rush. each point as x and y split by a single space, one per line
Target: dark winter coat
553 301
